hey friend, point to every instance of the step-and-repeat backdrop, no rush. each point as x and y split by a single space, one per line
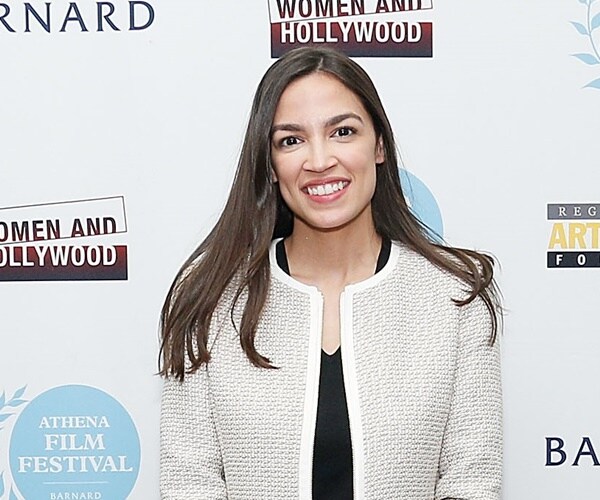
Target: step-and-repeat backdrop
120 126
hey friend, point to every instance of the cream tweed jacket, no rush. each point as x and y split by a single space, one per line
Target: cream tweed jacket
422 383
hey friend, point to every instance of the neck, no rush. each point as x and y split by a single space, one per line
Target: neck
334 257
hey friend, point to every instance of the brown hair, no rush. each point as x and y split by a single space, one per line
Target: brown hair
255 213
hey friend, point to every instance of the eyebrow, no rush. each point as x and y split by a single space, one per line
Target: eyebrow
334 120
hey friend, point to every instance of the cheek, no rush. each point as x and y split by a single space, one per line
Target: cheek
290 201
283 170
365 168
360 163
371 182
282 177
287 195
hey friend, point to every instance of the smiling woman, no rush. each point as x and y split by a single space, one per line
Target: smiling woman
324 151
318 344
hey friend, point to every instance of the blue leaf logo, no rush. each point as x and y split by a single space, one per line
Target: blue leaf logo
580 28
7 411
19 392
14 402
594 84
592 58
587 58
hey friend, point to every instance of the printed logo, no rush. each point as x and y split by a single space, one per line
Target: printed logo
423 204
8 408
360 28
74 441
590 23
77 17
574 236
32 246
557 455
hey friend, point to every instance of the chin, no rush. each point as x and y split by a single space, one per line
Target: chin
329 225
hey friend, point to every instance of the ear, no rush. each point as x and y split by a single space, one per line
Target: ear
274 178
379 151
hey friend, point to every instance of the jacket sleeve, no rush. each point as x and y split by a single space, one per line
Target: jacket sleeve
471 457
190 460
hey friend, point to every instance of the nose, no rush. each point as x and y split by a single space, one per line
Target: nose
321 157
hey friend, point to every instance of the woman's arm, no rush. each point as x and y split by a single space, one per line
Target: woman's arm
471 458
190 459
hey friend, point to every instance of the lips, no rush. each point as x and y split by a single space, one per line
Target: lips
325 188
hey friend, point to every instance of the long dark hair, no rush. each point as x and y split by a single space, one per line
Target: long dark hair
236 252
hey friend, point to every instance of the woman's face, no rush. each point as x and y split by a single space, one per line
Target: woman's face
324 152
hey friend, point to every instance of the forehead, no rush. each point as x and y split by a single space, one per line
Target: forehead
315 96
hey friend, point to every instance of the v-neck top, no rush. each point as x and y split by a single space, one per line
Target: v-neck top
332 451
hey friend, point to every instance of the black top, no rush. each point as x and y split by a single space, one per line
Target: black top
332 454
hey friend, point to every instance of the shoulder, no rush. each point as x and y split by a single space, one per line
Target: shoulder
413 267
436 289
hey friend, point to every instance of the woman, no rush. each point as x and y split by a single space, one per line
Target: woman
354 358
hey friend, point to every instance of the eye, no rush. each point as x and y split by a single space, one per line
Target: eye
344 132
289 141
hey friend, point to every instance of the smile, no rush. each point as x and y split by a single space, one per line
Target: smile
325 189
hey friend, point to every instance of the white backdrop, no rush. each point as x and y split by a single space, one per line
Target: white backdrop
497 124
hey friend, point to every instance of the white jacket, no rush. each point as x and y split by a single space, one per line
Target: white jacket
422 386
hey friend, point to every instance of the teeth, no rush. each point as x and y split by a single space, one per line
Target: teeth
325 189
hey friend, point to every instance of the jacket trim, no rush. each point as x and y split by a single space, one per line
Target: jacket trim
371 281
311 398
349 370
352 399
313 369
